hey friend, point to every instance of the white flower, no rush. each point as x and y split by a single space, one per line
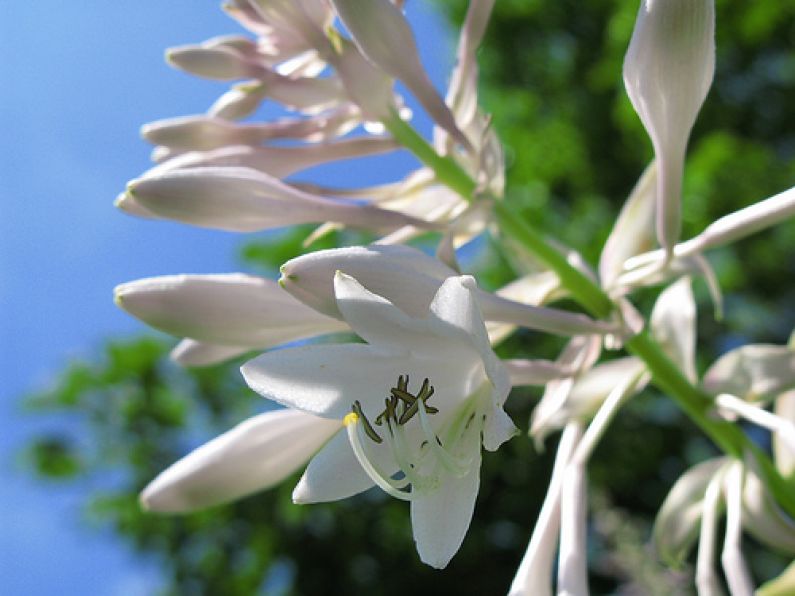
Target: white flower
416 401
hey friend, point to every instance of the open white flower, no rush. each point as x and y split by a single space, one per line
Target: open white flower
416 402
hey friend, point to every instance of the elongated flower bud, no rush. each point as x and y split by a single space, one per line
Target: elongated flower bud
257 454
232 309
668 70
218 63
385 38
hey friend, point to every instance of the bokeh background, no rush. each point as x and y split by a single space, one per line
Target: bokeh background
92 409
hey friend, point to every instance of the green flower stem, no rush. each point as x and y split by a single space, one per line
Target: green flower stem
697 404
579 285
447 171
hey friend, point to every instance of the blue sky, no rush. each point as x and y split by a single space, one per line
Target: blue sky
76 86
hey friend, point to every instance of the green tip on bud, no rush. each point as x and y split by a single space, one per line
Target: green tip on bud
118 299
131 186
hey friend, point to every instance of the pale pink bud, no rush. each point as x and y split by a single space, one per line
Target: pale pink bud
219 63
245 200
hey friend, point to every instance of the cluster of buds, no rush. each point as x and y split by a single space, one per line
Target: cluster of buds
410 409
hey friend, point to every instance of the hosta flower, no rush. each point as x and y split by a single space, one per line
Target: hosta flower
416 402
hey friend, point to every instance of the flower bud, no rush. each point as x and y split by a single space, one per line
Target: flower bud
668 70
257 454
219 63
382 34
229 310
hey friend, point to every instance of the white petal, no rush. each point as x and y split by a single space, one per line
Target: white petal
276 161
190 352
673 323
333 474
668 70
232 309
441 518
755 372
633 232
764 518
325 380
382 324
784 455
405 276
677 525
239 102
256 454
455 304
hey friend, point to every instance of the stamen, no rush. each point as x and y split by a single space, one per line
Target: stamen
404 456
357 409
387 485
458 467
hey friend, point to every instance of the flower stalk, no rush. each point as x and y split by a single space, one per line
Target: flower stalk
664 373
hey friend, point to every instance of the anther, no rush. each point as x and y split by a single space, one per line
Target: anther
368 429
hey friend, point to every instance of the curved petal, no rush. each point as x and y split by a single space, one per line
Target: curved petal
677 525
440 519
673 323
230 309
333 474
256 454
633 232
189 353
382 324
326 380
754 372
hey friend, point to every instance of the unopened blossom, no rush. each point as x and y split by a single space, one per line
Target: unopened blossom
416 401
410 279
668 71
246 200
221 315
257 454
385 38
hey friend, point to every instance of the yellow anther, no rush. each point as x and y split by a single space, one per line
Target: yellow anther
352 418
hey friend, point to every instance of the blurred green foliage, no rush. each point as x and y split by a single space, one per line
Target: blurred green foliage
551 76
